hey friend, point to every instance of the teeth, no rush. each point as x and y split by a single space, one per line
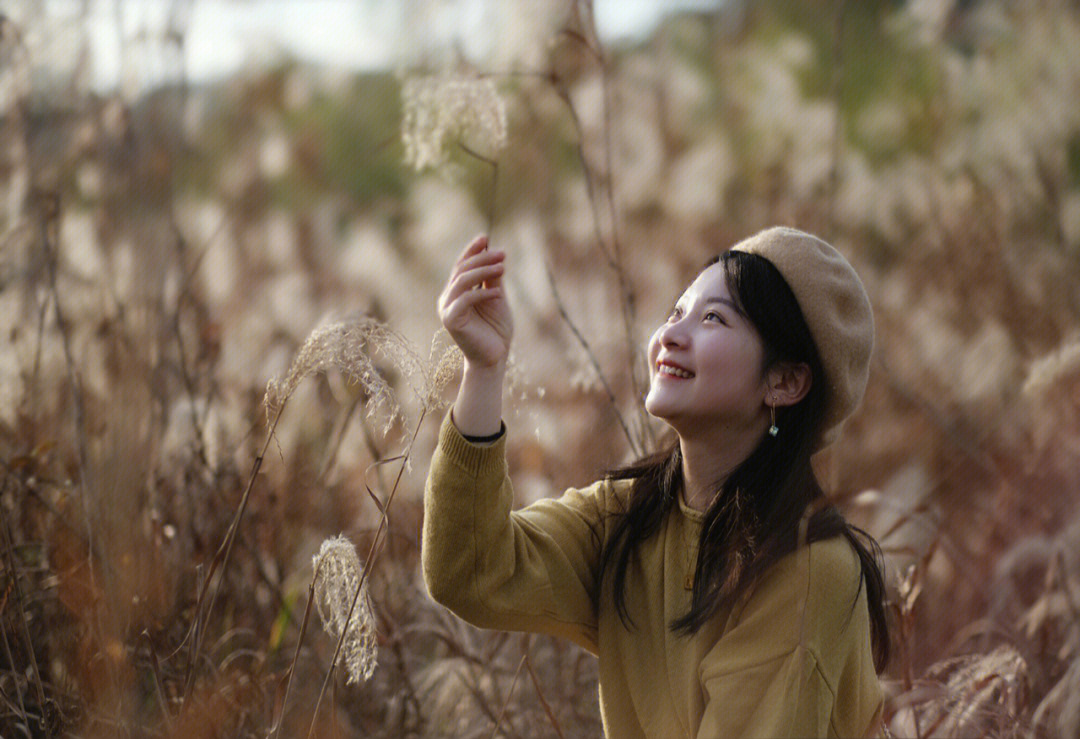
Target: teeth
667 369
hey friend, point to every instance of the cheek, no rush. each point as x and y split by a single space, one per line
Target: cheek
738 361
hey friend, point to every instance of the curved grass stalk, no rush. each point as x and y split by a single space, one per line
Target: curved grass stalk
373 550
221 561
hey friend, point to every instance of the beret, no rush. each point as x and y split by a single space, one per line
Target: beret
837 311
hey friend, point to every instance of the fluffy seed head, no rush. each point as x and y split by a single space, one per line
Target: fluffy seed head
338 575
444 362
350 347
439 108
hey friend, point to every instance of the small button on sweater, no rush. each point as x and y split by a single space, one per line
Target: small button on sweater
791 660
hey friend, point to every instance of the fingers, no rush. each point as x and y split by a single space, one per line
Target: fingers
475 246
455 314
472 297
480 259
475 278
482 276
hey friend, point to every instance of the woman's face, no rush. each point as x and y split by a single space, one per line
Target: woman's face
705 363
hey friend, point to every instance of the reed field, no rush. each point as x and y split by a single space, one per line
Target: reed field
221 378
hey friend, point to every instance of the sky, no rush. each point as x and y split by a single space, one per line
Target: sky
224 35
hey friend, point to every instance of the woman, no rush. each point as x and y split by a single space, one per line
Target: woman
721 592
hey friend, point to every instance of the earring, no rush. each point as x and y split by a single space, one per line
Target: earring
774 429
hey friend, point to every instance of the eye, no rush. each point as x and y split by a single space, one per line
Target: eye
676 312
715 316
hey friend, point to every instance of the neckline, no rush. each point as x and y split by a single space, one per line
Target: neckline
691 513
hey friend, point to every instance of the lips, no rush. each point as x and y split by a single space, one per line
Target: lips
670 369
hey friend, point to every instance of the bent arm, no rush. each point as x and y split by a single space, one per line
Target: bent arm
530 570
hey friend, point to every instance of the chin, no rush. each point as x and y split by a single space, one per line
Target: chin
651 407
657 410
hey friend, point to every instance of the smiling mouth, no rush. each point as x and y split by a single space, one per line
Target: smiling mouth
673 371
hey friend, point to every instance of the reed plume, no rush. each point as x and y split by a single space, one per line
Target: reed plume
340 574
350 347
444 108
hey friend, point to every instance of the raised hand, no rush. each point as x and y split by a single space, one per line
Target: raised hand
473 306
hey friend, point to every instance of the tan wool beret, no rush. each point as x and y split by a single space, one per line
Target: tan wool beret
836 308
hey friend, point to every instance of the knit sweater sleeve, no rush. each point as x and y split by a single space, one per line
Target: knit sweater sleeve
528 570
795 661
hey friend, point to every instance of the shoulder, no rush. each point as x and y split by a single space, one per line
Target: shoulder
607 496
804 599
833 573
813 575
833 616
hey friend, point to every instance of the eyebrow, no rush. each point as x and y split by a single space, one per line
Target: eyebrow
725 301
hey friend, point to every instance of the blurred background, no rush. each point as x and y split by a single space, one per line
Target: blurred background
189 188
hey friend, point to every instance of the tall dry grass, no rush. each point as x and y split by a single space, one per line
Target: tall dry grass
166 255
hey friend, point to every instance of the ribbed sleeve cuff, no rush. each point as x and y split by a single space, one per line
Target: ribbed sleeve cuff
474 459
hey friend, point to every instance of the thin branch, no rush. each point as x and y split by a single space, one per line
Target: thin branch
296 655
490 214
21 615
592 360
35 373
603 186
14 670
540 693
336 437
509 695
221 560
838 120
587 173
155 668
626 291
50 206
410 697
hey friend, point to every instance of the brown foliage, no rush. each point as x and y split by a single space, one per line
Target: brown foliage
163 256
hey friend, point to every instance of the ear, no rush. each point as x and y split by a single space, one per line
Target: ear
787 383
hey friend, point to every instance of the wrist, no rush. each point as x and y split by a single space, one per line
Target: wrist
484 373
478 408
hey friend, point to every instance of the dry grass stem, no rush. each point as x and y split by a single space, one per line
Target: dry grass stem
977 695
162 245
599 186
359 593
539 691
634 442
20 606
1049 370
509 696
49 203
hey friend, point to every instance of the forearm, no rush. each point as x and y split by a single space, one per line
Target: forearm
478 407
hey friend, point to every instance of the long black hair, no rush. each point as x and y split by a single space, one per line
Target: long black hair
772 502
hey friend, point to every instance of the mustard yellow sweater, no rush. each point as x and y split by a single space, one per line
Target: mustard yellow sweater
793 661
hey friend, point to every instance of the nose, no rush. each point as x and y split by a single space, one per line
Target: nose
673 334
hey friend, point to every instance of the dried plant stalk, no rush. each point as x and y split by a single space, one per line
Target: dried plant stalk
1048 370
